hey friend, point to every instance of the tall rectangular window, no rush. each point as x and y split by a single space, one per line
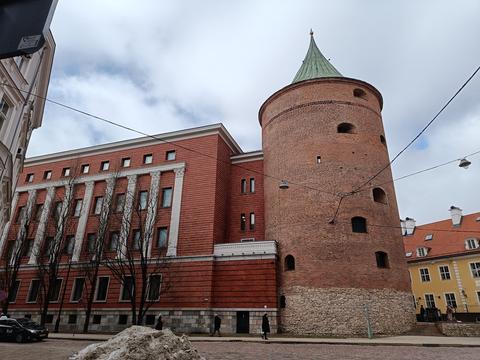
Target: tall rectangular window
154 285
424 274
66 172
429 300
57 211
252 185
136 238
69 244
12 295
142 200
91 242
170 155
162 236
47 175
102 288
252 221
47 245
444 272
78 207
29 178
38 212
147 159
114 236
126 162
450 300
166 197
33 291
120 203
20 213
98 205
4 109
475 268
85 168
28 247
243 186
105 165
243 222
127 288
77 292
55 294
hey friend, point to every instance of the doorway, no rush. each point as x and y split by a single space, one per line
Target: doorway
243 322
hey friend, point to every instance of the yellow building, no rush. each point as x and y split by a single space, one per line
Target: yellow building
444 262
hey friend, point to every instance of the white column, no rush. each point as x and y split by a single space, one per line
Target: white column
175 215
3 239
82 220
37 243
127 214
22 235
151 212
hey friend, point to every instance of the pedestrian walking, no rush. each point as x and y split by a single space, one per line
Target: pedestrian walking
159 324
217 322
265 326
449 313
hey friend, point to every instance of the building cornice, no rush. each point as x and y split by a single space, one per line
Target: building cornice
453 256
247 157
214 129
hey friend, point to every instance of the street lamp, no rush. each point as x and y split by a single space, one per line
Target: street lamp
464 163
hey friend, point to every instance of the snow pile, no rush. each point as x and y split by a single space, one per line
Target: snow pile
141 343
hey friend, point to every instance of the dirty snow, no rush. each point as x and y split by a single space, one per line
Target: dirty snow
141 343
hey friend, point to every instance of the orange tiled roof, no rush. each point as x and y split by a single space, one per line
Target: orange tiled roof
447 239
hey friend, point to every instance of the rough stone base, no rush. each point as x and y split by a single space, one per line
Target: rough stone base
458 329
343 311
179 321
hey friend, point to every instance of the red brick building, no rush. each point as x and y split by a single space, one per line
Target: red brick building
233 239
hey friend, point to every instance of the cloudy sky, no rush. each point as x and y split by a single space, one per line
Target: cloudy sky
167 65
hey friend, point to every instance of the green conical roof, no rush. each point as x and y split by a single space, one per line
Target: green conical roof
315 65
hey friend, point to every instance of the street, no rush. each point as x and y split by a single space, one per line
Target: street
61 349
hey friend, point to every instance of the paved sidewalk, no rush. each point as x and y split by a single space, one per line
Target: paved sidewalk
390 340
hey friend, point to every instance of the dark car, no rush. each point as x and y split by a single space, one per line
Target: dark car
21 330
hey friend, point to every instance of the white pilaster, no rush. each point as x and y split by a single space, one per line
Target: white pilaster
3 239
127 214
37 243
22 232
151 212
175 215
82 221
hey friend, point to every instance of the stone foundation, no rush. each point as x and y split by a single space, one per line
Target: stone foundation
179 321
458 329
341 311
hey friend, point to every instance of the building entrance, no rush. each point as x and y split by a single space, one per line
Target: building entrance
243 322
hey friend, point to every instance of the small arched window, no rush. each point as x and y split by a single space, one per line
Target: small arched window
346 128
379 195
382 259
289 263
359 224
359 93
382 140
283 302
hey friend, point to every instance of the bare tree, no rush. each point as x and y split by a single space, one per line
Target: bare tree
14 252
132 263
90 268
50 254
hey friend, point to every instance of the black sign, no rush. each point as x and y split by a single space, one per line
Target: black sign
23 25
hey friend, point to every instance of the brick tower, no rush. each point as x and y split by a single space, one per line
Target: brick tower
324 134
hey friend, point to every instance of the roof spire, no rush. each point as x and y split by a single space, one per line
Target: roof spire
315 65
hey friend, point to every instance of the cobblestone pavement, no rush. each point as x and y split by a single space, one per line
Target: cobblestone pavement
266 351
62 349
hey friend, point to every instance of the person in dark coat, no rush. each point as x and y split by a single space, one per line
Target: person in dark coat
159 324
423 313
217 322
265 326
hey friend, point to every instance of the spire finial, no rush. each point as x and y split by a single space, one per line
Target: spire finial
311 32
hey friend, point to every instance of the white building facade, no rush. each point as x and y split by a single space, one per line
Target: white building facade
21 78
